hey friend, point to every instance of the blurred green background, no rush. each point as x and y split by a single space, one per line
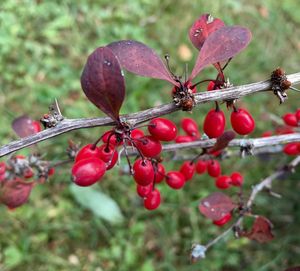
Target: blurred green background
43 47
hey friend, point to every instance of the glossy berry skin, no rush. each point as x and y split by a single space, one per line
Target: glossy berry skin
36 126
153 199
223 182
236 179
214 123
242 122
201 166
160 173
188 170
223 220
291 148
290 119
88 171
162 129
297 114
136 133
2 168
149 146
143 172
213 168
87 152
184 139
175 179
144 191
190 127
112 139
108 154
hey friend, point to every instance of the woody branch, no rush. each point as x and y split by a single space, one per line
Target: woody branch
133 119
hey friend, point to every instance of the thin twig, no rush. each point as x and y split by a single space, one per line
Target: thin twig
67 125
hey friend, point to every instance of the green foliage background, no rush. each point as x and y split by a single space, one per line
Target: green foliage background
43 47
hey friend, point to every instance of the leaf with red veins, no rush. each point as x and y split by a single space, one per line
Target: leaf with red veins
261 230
202 28
103 83
223 141
23 126
15 192
216 206
221 45
138 58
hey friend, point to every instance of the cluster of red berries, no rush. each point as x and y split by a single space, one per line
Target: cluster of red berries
214 123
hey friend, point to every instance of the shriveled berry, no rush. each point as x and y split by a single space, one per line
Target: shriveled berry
290 119
190 126
149 146
213 168
108 154
175 179
236 179
201 166
291 148
214 123
242 121
188 169
223 182
87 151
159 174
226 218
143 191
162 129
88 171
152 201
184 139
143 172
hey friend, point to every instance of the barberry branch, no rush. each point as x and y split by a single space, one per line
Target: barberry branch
67 125
264 184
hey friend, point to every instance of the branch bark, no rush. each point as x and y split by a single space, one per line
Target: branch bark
67 125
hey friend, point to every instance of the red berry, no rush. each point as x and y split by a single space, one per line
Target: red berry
290 119
211 86
201 166
2 168
188 169
190 127
175 179
291 148
87 152
28 173
149 146
214 123
236 179
36 126
87 171
284 130
267 134
136 133
143 172
297 114
189 85
223 220
152 201
143 191
112 138
51 171
184 139
242 122
223 182
108 154
162 129
213 168
159 174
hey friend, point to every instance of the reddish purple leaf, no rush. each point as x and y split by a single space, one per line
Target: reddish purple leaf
202 28
261 230
103 83
223 141
216 205
23 126
138 58
221 45
15 192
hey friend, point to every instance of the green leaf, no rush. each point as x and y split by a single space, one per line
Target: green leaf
99 203
13 257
